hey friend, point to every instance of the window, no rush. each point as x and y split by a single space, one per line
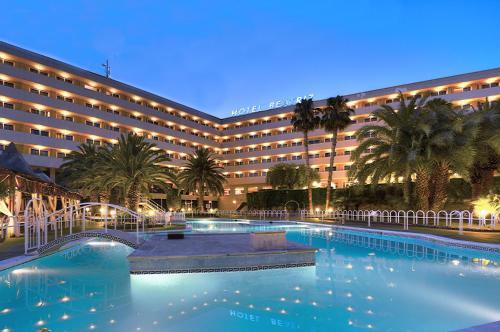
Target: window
67 80
61 155
37 152
255 148
266 160
93 124
279 159
92 106
299 157
253 174
238 163
7 84
266 134
8 105
239 191
349 137
328 154
93 141
327 168
266 147
238 151
238 176
297 143
281 145
347 152
39 132
313 155
347 167
467 88
254 161
314 141
6 126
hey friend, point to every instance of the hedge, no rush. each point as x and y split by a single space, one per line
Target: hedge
356 197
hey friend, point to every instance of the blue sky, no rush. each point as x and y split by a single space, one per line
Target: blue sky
220 55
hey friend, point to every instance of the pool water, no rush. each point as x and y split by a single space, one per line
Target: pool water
361 282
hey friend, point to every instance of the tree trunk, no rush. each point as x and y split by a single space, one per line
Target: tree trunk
309 189
422 189
201 193
481 180
476 181
439 186
133 197
104 197
487 176
330 170
407 190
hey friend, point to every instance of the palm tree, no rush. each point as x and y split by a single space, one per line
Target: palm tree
487 146
134 167
79 172
390 150
335 117
428 139
201 173
445 147
305 120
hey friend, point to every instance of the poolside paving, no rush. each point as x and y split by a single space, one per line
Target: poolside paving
214 253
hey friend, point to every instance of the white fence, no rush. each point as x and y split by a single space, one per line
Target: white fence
446 219
41 227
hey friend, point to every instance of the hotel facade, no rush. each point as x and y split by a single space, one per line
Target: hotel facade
48 108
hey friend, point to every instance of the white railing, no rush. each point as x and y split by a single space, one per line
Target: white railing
175 216
405 218
41 226
447 219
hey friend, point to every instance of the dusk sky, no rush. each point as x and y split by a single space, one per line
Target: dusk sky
217 56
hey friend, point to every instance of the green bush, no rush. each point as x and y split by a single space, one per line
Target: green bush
382 196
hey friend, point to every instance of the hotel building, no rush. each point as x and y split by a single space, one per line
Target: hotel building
48 108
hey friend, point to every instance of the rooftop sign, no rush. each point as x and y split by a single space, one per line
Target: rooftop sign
272 104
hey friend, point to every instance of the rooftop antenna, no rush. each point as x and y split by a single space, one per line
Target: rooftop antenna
107 68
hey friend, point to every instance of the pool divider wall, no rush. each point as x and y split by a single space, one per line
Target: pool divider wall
201 253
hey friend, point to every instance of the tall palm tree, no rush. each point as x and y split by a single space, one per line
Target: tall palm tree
201 173
487 146
446 148
134 167
335 117
390 150
79 172
305 120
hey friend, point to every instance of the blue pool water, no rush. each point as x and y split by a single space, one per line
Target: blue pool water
361 282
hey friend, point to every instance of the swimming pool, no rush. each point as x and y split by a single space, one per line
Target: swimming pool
361 282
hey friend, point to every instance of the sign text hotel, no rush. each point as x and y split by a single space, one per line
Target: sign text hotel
272 104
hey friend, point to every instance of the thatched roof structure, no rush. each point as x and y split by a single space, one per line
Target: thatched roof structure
14 166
